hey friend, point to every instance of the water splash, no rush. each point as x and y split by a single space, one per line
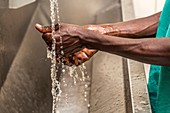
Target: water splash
58 70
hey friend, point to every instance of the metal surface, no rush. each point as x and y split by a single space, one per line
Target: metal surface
107 91
137 87
13 25
107 87
25 71
14 4
127 86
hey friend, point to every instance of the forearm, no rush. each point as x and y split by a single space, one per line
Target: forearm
146 50
143 27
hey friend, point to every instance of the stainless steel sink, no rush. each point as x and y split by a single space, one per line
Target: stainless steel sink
25 71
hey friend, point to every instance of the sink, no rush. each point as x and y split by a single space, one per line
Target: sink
13 4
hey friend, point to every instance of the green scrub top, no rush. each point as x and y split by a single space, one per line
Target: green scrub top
159 76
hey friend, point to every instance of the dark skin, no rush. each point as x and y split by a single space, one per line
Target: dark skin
75 58
132 39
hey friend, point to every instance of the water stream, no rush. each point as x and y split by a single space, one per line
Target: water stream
62 88
56 89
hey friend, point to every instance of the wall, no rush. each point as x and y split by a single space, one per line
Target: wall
147 7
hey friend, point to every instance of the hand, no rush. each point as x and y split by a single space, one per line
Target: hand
76 58
79 57
85 54
70 38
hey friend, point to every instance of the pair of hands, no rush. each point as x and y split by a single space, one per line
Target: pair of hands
74 49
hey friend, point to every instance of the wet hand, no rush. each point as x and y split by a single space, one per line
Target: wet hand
70 38
79 57
85 54
73 59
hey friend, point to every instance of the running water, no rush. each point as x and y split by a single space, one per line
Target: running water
58 69
56 90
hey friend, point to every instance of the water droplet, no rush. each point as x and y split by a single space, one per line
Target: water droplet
61 47
63 70
75 82
88 105
62 53
85 93
86 86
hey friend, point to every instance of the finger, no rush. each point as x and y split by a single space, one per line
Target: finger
68 51
47 38
75 59
80 58
81 55
68 48
89 52
71 59
45 29
67 62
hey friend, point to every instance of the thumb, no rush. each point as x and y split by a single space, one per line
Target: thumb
43 29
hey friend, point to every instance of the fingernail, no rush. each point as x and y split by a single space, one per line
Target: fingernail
38 25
